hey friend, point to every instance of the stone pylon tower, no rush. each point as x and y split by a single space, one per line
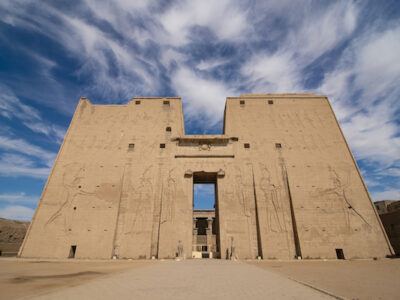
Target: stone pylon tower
286 183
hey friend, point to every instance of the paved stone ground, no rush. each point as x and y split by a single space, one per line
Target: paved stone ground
191 279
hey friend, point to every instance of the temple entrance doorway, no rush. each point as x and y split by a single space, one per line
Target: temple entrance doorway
205 216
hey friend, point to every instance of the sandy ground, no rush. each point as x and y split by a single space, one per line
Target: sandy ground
190 279
359 279
21 278
198 279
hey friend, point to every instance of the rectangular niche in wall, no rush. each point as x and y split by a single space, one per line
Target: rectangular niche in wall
72 251
339 253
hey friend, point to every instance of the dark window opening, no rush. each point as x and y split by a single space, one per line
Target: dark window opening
137 102
247 145
168 129
201 225
339 253
72 251
377 207
1 252
162 145
205 255
166 102
242 102
235 139
131 147
74 207
270 101
278 145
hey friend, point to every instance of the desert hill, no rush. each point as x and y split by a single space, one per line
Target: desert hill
12 234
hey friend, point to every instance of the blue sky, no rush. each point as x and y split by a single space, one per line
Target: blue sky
52 53
204 196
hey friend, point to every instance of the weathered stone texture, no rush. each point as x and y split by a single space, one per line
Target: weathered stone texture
294 190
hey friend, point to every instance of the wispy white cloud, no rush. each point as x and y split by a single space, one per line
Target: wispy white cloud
321 31
201 95
14 165
11 106
226 19
50 130
389 194
365 89
20 198
273 73
17 212
281 71
24 147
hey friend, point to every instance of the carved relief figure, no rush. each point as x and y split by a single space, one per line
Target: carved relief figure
143 195
170 196
270 192
71 179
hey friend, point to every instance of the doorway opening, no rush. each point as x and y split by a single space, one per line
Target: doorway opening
72 251
205 216
339 253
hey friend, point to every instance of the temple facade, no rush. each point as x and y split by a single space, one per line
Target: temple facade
287 185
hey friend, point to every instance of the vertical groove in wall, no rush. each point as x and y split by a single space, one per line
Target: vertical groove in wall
257 219
118 212
292 214
294 224
119 225
159 220
156 216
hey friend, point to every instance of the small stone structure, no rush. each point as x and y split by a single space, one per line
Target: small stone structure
389 212
385 206
287 185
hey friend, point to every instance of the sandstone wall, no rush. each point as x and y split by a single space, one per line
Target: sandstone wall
293 190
